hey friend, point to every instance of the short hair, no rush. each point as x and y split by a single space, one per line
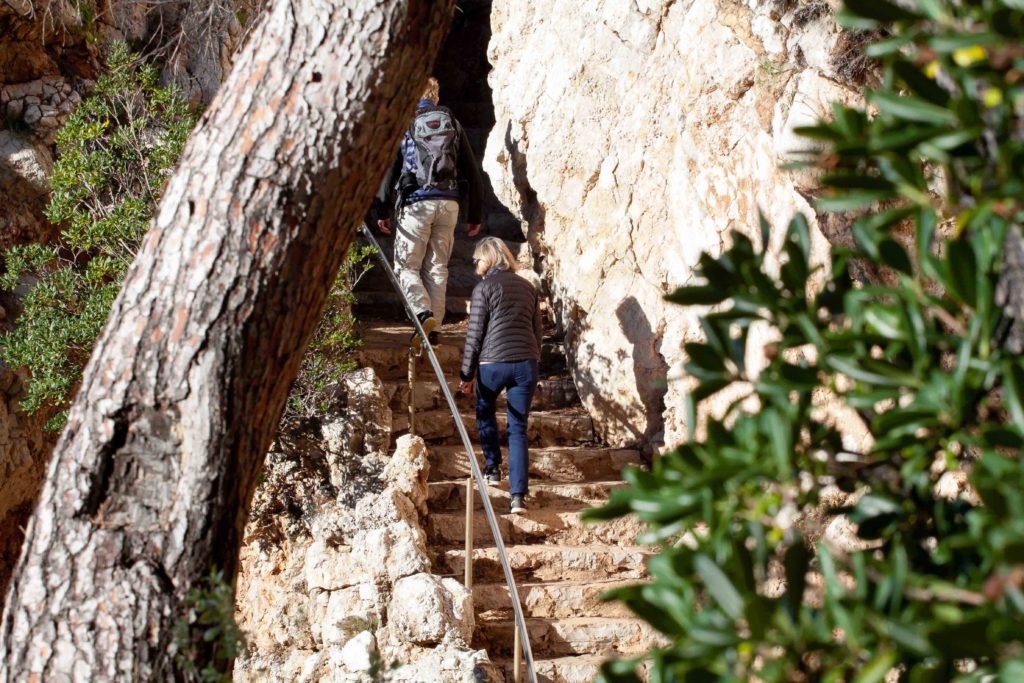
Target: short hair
494 254
431 91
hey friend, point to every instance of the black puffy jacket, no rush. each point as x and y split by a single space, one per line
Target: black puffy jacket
504 322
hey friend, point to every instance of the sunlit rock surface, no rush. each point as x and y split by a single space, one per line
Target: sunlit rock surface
632 136
335 571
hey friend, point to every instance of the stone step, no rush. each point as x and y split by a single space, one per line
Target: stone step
555 464
553 600
544 562
571 669
548 428
385 348
552 393
450 496
574 636
536 525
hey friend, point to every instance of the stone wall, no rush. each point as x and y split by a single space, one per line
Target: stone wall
632 136
335 571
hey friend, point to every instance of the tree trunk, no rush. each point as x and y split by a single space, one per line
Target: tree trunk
149 486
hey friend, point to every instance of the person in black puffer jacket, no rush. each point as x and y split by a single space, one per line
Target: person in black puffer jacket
503 352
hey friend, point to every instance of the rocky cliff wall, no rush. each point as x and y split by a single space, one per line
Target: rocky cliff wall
335 575
630 136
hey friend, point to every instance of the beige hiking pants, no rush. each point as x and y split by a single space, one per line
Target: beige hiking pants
423 245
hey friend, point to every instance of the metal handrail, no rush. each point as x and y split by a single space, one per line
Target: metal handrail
478 476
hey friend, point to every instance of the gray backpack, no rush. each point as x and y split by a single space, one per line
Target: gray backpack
437 148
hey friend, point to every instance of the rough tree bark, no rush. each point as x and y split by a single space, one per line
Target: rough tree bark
150 483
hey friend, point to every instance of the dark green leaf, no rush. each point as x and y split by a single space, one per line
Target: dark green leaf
894 256
921 84
880 10
796 563
961 267
704 356
698 295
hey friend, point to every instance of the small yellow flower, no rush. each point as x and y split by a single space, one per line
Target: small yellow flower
932 70
993 97
966 56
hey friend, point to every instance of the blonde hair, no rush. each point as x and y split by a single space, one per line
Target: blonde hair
431 91
494 254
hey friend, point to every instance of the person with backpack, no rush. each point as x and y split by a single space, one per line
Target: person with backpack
435 167
502 353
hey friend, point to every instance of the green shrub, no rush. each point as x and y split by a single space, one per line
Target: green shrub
330 351
114 153
918 352
207 636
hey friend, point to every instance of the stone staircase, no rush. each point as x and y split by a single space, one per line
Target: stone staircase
562 566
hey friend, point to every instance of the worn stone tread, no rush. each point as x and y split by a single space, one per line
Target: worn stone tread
562 427
573 636
552 393
554 599
570 669
549 562
550 464
538 525
451 495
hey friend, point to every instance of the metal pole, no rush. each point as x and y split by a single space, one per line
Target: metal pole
469 535
412 391
517 658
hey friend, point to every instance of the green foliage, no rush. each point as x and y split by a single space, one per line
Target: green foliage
207 639
114 153
329 354
933 179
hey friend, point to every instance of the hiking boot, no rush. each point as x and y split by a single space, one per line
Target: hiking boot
429 324
434 338
517 504
492 474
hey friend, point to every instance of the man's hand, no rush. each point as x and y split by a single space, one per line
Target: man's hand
384 225
472 229
466 387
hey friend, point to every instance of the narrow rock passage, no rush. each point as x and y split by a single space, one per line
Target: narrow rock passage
561 565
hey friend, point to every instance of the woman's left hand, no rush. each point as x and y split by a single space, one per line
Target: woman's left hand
466 388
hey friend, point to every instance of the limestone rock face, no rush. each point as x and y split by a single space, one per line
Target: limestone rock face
632 136
334 571
25 166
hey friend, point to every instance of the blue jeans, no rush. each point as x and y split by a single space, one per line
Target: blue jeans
519 380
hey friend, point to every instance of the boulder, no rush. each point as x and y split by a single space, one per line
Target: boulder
25 167
331 568
351 611
394 552
359 653
450 662
407 470
426 609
